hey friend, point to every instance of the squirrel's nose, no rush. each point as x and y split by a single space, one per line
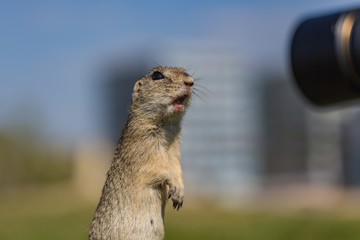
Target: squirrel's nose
189 82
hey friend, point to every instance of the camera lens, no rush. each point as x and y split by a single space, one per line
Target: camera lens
325 58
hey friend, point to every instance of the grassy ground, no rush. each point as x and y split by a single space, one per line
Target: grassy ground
57 213
217 224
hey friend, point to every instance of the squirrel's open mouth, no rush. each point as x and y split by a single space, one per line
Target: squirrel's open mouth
180 100
178 103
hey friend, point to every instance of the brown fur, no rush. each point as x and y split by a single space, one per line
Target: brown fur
146 167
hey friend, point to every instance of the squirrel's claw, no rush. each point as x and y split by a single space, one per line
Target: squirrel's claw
177 196
177 205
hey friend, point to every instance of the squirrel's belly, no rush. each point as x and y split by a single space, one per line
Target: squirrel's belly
145 219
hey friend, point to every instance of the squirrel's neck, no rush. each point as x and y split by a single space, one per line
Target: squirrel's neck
166 130
144 139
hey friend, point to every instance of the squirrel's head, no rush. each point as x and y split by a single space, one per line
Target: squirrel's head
164 92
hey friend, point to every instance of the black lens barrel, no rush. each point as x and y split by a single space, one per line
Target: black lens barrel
325 58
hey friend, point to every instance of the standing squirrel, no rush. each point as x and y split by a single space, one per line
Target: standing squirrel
146 169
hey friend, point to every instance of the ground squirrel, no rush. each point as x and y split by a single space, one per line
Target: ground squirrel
146 168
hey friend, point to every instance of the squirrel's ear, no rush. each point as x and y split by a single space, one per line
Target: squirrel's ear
137 87
136 91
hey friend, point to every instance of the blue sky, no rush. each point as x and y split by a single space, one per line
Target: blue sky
49 50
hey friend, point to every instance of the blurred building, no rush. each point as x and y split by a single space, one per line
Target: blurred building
301 146
222 130
324 147
284 133
351 151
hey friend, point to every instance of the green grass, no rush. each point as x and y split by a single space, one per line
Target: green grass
46 213
220 224
70 225
58 213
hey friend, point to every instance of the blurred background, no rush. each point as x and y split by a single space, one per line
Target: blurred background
259 161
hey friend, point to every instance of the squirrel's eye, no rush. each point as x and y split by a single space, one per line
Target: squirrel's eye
157 76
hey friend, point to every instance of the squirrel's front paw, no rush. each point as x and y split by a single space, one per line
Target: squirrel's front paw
177 196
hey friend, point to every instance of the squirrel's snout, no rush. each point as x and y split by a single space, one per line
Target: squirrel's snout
188 82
